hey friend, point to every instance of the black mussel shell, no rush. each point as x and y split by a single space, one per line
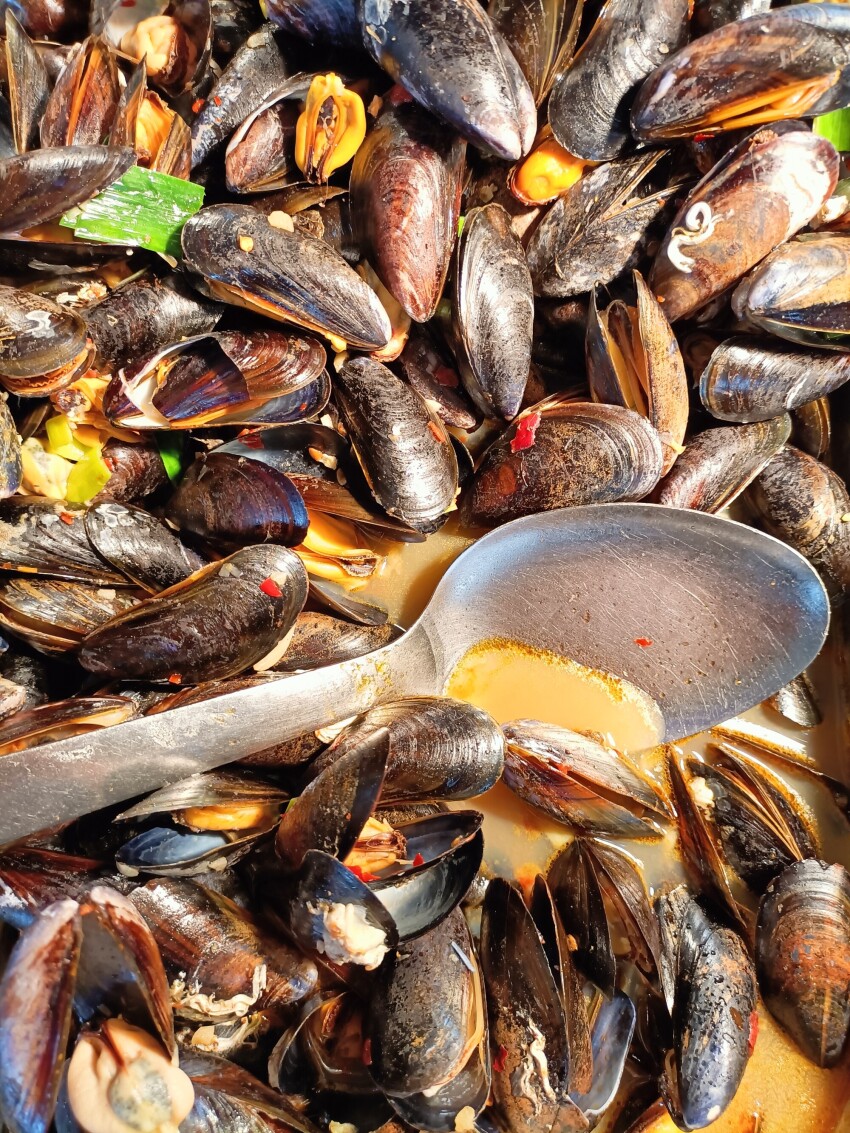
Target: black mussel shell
49 538
61 719
577 894
139 545
43 347
166 851
319 21
319 639
53 615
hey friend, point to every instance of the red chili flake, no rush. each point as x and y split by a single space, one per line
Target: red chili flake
500 1059
398 96
419 860
363 874
66 517
525 432
366 1053
128 3
252 440
216 100
703 137
197 104
302 406
436 432
754 1031
270 587
643 642
175 679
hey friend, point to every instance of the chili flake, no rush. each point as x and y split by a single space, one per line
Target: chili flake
362 874
216 100
419 860
525 432
270 587
252 440
436 432
197 104
175 679
500 1059
66 517
643 642
754 1031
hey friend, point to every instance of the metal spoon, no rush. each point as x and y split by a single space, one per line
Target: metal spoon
731 614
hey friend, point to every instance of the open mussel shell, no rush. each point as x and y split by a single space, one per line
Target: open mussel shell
43 347
225 618
48 537
594 230
40 185
802 956
801 292
215 951
319 21
218 379
83 105
714 1009
34 877
720 463
426 368
577 895
144 315
440 748
473 82
29 85
177 57
773 65
62 719
55 615
319 639
257 68
141 546
525 1013
426 1022
284 275
231 502
406 184
590 101
541 35
580 782
565 454
402 446
232 791
11 470
754 379
798 702
169 851
694 264
633 359
213 1073
493 312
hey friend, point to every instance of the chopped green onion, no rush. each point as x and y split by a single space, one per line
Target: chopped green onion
170 447
142 209
86 478
461 220
835 127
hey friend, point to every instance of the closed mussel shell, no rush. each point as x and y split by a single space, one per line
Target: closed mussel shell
223 619
139 545
493 312
42 346
627 42
754 379
801 292
802 955
565 454
319 21
402 446
54 615
231 502
285 275
739 212
319 639
440 748
62 719
472 81
406 184
719 464
48 537
541 34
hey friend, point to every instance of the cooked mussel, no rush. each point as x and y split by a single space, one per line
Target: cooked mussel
563 454
62 719
48 537
542 36
802 954
29 85
172 36
83 105
54 615
319 639
225 618
245 260
42 346
260 154
139 545
320 21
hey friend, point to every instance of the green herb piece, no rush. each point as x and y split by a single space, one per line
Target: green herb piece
461 220
170 447
835 127
142 209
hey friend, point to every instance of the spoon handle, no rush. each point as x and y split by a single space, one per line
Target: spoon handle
58 782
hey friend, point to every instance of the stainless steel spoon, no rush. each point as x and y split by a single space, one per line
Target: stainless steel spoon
731 614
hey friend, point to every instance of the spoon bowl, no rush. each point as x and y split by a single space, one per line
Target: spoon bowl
707 616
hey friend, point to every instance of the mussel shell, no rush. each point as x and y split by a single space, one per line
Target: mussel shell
232 502
214 625
256 69
402 446
83 105
165 851
42 346
719 464
754 379
285 275
739 212
40 185
208 942
797 53
439 748
61 719
613 1029
319 639
802 955
35 538
427 371
798 702
54 615
260 155
11 469
139 545
406 184
593 231
590 101
206 789
493 312
29 85
801 292
319 21
473 81
144 315
541 34
525 1011
565 454
33 878
577 894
